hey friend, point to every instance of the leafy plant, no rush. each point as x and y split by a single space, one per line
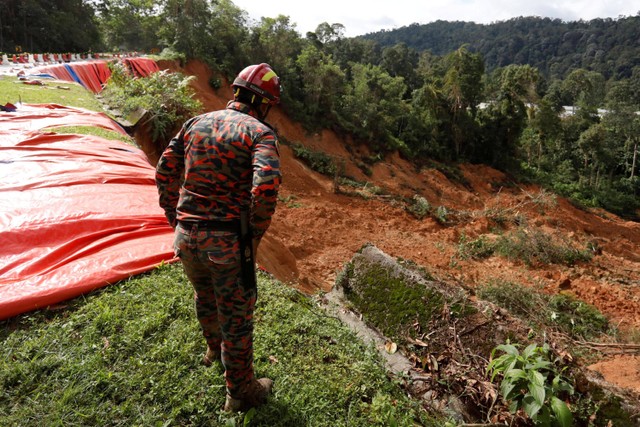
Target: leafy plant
317 160
166 97
531 382
442 214
558 312
419 207
534 246
479 248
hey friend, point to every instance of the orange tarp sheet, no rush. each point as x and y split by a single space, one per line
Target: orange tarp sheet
141 67
93 75
77 212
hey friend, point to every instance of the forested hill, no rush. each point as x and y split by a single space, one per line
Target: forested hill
608 46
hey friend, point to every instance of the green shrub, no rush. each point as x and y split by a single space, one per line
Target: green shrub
560 312
316 160
531 382
166 97
419 207
479 248
215 83
520 300
576 317
534 246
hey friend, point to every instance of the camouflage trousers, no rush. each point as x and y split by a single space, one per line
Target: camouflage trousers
211 261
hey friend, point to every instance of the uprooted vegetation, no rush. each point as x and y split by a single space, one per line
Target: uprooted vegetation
450 338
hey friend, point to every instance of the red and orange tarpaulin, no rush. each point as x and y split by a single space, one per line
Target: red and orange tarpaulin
93 75
77 212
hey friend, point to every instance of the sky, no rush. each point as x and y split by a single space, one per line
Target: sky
361 17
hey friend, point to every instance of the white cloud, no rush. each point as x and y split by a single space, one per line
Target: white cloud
360 17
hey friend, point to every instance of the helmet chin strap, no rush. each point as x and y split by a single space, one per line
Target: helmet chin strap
263 110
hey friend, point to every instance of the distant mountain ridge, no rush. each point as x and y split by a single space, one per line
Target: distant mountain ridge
608 46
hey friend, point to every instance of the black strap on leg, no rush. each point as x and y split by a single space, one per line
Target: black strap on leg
246 252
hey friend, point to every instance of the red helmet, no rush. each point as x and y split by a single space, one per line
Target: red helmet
261 80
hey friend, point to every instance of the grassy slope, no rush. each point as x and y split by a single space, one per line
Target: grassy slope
51 92
129 355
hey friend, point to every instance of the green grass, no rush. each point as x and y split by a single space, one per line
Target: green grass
316 160
530 245
130 355
14 91
560 312
93 130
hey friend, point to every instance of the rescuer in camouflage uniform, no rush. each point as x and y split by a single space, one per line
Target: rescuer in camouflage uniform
218 183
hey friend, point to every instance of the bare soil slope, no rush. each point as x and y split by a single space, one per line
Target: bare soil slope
315 231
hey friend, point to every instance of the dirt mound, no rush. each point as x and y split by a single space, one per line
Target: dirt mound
316 231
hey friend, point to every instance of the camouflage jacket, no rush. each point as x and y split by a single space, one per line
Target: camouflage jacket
220 163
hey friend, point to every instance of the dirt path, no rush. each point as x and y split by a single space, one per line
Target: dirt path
315 231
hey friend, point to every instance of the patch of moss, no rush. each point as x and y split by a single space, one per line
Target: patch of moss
603 409
393 303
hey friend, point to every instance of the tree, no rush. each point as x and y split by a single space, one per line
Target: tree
323 84
276 41
400 61
48 26
514 89
187 28
129 25
374 107
227 48
584 88
326 33
623 120
462 88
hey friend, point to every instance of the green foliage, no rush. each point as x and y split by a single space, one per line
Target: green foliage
479 248
374 106
530 245
531 382
534 246
323 85
561 312
576 317
171 55
129 25
442 214
419 207
290 201
317 160
166 97
603 45
70 94
130 355
36 26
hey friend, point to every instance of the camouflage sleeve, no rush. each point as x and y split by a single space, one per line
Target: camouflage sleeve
266 182
170 174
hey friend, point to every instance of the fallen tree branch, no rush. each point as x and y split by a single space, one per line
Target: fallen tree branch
608 345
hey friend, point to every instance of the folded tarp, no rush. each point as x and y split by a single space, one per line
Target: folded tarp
141 67
93 75
77 212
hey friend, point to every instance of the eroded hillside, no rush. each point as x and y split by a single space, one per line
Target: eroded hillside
316 230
